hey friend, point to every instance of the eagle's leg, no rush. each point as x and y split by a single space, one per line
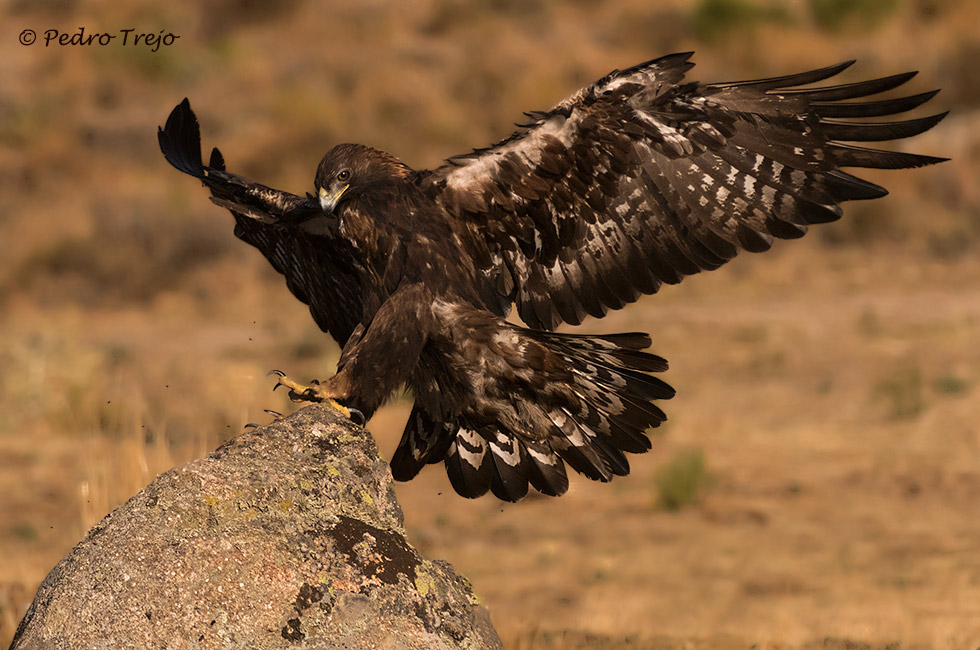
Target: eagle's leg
315 392
379 356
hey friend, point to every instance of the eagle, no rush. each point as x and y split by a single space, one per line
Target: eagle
630 183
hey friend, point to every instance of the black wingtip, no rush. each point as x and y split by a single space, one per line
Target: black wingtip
878 131
789 81
848 155
217 160
678 59
180 140
871 109
853 90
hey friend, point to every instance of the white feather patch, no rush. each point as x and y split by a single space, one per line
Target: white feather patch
473 448
506 449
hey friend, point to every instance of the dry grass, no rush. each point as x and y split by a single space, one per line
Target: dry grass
831 385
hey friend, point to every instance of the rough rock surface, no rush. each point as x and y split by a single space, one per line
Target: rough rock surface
288 536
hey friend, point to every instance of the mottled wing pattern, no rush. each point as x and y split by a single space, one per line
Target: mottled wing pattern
641 179
540 401
587 420
320 267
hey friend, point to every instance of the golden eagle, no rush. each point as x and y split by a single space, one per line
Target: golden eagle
634 181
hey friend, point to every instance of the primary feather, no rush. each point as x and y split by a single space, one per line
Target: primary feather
641 179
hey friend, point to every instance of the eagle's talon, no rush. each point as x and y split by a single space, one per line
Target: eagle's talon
356 417
316 392
298 392
277 373
276 415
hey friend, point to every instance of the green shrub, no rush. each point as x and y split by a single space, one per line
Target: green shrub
903 393
834 15
950 384
682 481
713 19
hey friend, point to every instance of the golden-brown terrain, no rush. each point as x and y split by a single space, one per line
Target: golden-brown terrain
822 453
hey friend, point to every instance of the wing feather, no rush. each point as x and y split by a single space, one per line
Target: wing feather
643 178
321 268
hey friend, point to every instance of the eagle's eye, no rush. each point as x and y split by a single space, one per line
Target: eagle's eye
344 176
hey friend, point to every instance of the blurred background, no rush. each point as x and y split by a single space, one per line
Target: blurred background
817 483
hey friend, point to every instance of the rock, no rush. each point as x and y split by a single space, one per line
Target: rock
288 536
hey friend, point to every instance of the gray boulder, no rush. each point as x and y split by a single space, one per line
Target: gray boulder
288 536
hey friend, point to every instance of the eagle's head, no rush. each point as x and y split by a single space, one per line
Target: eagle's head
349 170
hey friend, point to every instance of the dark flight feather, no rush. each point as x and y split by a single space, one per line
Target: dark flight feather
321 270
727 166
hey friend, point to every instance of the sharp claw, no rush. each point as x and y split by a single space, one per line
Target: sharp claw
356 417
278 373
276 415
314 392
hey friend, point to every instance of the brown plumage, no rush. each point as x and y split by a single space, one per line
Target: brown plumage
637 180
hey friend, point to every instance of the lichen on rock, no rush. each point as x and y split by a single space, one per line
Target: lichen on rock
287 536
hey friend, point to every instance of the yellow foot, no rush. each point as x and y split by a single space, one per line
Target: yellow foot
315 392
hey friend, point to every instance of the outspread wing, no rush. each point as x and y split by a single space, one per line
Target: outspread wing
321 268
641 179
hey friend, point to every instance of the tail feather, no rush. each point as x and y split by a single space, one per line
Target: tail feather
614 405
469 464
598 371
620 350
629 419
423 441
618 464
628 438
546 471
574 444
584 401
510 478
608 342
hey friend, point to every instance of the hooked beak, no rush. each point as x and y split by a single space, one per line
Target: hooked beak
328 200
